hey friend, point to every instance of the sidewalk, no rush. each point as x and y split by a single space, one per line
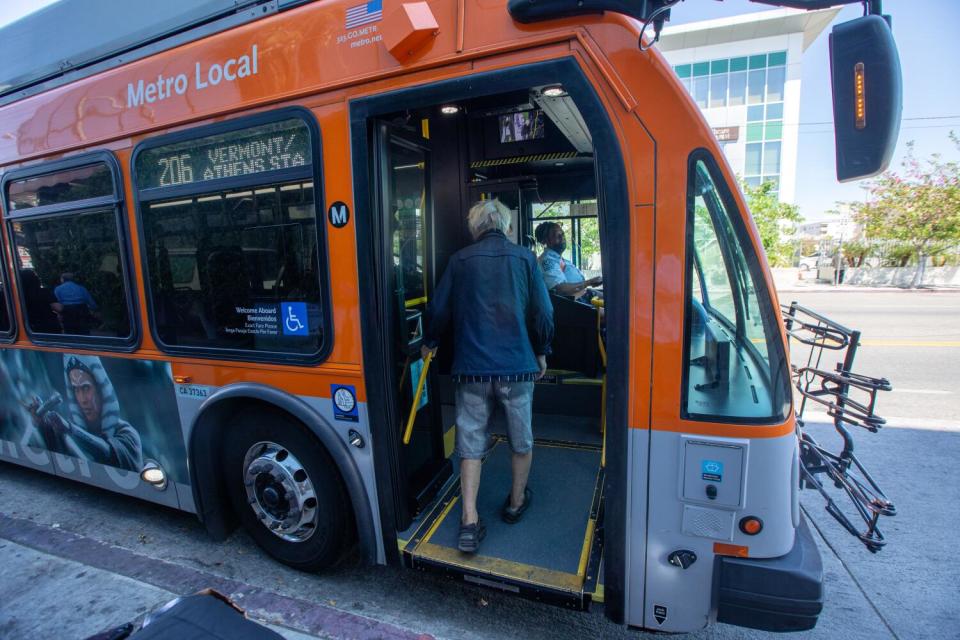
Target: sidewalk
74 600
58 584
819 287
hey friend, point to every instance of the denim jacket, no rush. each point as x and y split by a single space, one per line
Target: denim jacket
493 293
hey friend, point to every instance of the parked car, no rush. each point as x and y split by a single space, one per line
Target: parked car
809 262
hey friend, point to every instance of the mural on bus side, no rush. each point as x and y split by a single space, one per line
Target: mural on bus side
110 411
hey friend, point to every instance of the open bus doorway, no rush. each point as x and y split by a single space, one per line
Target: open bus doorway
531 150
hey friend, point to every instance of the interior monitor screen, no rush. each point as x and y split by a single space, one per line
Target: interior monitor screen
521 126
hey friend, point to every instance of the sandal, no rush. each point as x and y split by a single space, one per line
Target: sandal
470 536
513 516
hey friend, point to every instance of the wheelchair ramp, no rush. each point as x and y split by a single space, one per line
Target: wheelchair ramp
551 554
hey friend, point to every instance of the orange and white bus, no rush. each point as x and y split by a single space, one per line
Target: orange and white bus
219 237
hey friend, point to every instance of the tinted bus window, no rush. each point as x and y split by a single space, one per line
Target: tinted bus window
81 183
238 267
5 315
69 253
735 366
71 277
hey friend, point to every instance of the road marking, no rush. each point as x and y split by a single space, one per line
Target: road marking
893 422
949 344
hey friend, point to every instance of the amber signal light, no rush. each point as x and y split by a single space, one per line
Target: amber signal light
860 96
751 525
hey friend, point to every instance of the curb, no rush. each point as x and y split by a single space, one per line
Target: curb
267 606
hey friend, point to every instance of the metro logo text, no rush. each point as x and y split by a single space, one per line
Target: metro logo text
165 86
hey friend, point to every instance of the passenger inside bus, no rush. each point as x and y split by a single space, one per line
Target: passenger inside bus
79 310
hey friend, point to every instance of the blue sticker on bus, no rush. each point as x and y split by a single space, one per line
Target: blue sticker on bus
712 470
416 370
293 317
344 398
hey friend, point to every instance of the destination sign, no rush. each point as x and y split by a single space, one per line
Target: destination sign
269 147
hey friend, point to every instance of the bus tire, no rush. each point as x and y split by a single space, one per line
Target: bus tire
286 490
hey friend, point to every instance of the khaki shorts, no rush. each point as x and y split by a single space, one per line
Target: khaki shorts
476 402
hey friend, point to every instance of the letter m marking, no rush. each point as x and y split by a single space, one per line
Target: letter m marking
338 215
134 96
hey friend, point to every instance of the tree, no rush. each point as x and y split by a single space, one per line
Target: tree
918 207
856 252
776 221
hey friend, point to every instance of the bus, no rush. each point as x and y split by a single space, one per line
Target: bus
221 230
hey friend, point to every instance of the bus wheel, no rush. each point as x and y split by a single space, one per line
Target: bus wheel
286 490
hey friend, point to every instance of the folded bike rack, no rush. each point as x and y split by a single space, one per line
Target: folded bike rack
850 400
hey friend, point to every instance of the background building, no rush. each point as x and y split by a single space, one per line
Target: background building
744 72
840 226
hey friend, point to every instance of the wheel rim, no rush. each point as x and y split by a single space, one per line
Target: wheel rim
280 491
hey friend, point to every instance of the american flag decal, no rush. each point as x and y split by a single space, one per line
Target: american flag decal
364 13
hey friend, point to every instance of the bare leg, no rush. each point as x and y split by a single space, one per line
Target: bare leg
521 471
469 486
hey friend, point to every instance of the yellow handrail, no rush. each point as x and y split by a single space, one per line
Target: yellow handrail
598 303
416 398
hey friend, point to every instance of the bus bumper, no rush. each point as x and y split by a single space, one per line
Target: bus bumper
772 594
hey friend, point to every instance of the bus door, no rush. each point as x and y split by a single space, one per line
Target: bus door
407 217
506 136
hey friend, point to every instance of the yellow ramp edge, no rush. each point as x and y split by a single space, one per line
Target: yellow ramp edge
500 568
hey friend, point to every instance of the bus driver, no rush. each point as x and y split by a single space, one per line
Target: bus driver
494 295
561 277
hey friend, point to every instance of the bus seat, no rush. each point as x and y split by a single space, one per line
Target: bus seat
229 285
575 345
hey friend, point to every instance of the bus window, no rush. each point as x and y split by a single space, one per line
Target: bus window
231 240
62 187
407 193
5 324
580 223
734 360
70 262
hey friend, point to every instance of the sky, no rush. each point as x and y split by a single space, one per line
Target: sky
929 55
15 9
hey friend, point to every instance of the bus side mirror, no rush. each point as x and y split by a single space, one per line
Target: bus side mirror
867 96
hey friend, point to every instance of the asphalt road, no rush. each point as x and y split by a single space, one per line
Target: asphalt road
75 560
912 338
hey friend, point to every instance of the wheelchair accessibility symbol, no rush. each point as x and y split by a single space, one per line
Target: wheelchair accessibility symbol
711 470
294 318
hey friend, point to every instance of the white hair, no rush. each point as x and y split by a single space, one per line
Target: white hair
486 215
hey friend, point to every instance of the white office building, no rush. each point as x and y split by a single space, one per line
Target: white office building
744 72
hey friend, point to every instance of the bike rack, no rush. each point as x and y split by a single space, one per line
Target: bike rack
850 400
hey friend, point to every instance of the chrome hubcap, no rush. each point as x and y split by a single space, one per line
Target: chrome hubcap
280 492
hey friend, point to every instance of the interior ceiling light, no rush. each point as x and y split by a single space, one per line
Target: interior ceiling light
554 92
449 109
